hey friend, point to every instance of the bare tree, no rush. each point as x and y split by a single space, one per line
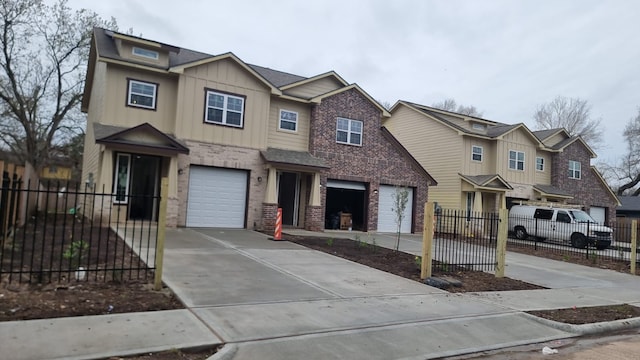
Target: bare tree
451 105
43 57
627 172
400 199
572 114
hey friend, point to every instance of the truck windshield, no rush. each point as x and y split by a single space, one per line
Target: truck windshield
581 216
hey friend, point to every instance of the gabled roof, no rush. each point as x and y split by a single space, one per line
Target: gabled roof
629 203
392 139
491 181
548 190
319 98
116 135
545 134
290 157
566 142
332 74
604 183
277 78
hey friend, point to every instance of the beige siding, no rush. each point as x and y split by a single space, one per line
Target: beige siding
315 88
438 149
544 177
119 114
126 51
517 140
487 165
95 114
225 76
555 139
285 139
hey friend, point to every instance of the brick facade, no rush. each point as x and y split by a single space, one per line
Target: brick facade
314 218
269 213
588 190
376 162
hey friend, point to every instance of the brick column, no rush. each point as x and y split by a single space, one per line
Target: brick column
314 218
269 213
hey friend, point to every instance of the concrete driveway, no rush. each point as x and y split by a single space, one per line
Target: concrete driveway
277 300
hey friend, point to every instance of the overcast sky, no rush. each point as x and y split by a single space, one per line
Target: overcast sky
504 57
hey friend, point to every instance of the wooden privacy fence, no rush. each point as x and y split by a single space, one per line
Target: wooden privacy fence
10 201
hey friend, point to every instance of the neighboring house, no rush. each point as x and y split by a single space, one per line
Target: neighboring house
236 141
482 165
629 207
58 169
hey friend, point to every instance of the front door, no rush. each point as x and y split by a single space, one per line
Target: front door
288 195
144 189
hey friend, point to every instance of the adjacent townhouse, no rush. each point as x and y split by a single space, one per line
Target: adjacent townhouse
483 165
238 141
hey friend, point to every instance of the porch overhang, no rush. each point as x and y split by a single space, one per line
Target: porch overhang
142 138
295 160
552 192
488 183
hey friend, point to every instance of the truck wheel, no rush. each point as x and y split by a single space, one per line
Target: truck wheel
578 241
521 233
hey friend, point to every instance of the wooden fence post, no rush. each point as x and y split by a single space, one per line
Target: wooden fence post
427 240
161 231
501 251
633 256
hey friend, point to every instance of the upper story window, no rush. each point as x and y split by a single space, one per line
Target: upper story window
224 109
145 53
476 153
349 131
575 171
478 126
539 163
516 160
142 94
288 120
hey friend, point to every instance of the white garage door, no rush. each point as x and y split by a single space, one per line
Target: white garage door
598 214
386 215
217 197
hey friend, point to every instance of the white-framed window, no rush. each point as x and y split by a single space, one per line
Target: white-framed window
225 109
121 178
145 53
142 94
516 160
478 126
349 131
476 153
539 163
575 169
288 120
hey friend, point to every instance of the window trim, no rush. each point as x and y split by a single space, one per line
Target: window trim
473 153
145 53
138 106
349 131
295 122
478 126
573 170
224 114
115 179
516 160
541 163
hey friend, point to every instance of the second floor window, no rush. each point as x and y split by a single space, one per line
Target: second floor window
288 120
349 131
574 169
516 160
142 94
539 163
476 153
224 109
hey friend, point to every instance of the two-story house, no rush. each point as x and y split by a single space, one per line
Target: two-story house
483 165
237 141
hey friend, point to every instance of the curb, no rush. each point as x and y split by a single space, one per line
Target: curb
226 352
589 329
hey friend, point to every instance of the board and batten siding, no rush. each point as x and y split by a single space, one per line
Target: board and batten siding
544 177
487 165
284 139
555 139
95 114
517 140
224 76
315 88
438 148
119 114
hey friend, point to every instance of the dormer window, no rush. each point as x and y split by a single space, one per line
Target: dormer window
478 126
145 53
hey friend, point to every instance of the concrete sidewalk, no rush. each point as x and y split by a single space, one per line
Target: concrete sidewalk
277 300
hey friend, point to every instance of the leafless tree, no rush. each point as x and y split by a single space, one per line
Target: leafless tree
626 173
451 105
572 114
43 57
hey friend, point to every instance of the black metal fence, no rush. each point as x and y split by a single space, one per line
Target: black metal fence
62 232
465 240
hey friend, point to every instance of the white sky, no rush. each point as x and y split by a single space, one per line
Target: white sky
504 57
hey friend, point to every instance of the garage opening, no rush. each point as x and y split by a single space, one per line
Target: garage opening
346 205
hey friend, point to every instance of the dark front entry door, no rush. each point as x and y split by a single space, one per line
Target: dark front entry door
288 198
145 171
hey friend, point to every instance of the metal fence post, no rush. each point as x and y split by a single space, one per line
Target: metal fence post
633 256
501 249
162 223
427 240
